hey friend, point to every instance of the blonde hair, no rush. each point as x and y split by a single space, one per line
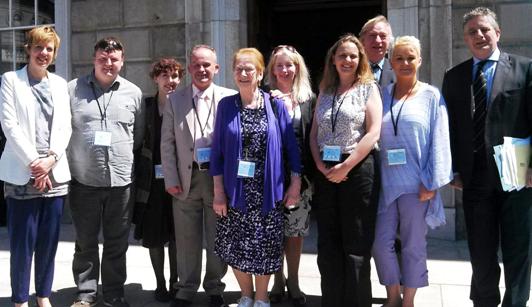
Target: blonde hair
407 40
330 79
301 89
43 34
255 56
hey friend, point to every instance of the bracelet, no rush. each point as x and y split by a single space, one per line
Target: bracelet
295 174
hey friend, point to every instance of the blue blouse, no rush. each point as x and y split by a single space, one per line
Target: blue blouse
226 150
423 131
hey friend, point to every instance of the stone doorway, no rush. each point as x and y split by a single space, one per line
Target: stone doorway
311 26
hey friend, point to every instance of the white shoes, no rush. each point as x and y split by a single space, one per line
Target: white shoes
245 301
259 303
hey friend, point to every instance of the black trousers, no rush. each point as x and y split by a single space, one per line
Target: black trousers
346 214
491 214
109 209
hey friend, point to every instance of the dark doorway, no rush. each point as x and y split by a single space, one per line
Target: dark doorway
311 26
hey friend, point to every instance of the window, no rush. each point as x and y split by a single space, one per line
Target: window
17 17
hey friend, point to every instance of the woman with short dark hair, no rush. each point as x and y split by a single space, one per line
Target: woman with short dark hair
153 208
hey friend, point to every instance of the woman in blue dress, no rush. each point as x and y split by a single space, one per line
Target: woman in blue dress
251 134
415 162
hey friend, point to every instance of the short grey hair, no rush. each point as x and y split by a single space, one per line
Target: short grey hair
481 11
373 21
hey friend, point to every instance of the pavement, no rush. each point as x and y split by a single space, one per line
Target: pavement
448 266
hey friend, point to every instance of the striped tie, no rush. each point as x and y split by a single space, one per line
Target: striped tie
479 116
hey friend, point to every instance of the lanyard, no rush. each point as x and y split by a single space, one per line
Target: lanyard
334 117
103 114
202 128
395 123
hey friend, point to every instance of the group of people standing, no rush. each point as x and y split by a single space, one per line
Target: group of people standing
237 169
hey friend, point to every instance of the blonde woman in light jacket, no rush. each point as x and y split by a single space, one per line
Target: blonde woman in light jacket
35 117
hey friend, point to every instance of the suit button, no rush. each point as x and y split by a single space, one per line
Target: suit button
191 149
190 166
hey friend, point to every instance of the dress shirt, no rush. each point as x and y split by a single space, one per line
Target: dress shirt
104 166
377 74
488 69
206 111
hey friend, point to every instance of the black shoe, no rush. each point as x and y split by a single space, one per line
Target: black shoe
216 301
277 297
172 293
161 295
179 302
297 301
116 302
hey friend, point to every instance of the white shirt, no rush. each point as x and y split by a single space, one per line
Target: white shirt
204 117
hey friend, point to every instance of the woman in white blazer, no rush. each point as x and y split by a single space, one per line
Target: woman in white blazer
35 117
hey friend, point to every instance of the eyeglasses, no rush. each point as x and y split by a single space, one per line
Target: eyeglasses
108 45
248 70
287 47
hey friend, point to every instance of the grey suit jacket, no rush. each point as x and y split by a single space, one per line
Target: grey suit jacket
387 74
177 146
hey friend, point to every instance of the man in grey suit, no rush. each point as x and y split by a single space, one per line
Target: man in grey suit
376 36
186 136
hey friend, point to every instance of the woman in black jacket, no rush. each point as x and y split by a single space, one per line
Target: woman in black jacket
153 211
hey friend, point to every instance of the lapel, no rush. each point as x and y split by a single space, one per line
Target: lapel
25 97
185 104
501 72
387 74
466 85
56 100
151 117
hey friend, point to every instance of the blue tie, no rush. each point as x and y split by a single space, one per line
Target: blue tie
375 68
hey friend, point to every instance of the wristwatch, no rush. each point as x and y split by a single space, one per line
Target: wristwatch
53 154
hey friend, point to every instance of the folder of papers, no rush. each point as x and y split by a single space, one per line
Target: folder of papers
512 159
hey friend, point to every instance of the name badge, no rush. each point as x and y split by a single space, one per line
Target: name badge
158 171
331 153
246 169
396 156
102 138
203 154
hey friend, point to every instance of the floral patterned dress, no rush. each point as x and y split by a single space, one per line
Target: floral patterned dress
250 241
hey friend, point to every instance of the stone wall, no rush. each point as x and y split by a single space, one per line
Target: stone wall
155 28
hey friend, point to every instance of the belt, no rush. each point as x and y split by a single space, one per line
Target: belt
200 166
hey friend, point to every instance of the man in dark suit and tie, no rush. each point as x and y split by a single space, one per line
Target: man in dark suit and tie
489 97
375 36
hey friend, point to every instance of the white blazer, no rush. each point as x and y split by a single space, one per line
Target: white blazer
17 115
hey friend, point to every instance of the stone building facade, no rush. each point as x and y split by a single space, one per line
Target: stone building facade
155 28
